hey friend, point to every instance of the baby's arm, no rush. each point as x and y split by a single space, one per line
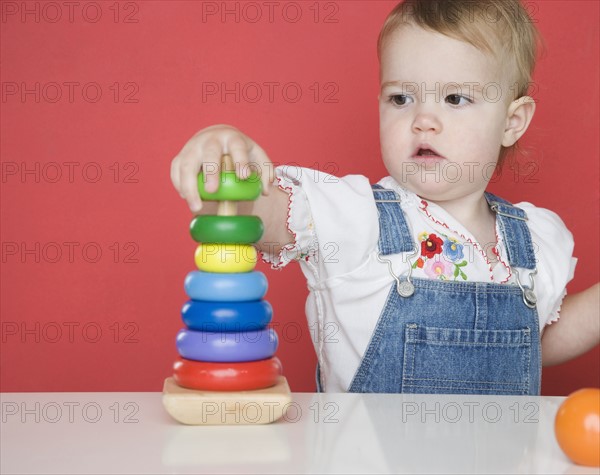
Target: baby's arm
576 331
203 153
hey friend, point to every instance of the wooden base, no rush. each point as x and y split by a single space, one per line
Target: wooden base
193 407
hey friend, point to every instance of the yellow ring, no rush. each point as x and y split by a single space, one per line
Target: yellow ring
225 258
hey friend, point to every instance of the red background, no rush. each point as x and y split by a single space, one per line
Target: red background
167 55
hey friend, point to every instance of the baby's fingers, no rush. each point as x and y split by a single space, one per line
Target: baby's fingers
188 178
266 168
192 159
175 174
211 165
251 159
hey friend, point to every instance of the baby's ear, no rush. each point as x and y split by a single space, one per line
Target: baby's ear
518 117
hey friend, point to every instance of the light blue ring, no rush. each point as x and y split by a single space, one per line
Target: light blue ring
221 287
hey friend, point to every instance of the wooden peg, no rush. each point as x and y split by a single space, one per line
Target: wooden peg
227 208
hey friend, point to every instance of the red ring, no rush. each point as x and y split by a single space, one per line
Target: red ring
208 376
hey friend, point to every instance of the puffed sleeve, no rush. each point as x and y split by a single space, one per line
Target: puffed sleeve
333 220
553 244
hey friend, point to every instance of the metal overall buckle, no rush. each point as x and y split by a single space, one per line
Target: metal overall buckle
529 296
494 208
405 288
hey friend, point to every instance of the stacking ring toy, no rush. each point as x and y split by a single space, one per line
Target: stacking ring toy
227 376
225 258
227 347
226 316
214 287
240 229
232 188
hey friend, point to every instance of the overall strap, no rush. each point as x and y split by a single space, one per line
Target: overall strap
517 237
394 233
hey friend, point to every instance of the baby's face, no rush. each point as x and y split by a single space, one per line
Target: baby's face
421 105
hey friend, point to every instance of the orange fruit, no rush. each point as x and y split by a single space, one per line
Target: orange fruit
577 427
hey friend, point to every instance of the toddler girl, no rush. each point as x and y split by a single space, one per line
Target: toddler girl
423 282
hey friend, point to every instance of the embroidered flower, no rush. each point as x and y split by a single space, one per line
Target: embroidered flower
450 262
453 250
438 269
431 246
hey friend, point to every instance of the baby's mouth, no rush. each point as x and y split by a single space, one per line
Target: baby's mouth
426 152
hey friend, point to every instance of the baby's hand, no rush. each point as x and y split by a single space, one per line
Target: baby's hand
203 152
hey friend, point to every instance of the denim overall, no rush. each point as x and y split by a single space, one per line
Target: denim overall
449 337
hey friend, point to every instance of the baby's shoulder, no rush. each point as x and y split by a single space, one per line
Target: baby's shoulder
544 223
553 244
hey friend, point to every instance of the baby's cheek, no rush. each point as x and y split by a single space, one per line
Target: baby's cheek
481 141
390 131
386 140
391 152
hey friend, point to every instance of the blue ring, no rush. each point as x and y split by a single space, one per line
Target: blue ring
226 316
217 287
227 347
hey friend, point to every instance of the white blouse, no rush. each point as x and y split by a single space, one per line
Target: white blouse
336 229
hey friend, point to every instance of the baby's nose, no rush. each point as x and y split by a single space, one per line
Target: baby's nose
426 122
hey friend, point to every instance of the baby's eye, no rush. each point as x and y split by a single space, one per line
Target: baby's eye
454 99
398 99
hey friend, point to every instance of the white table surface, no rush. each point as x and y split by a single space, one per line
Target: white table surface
324 433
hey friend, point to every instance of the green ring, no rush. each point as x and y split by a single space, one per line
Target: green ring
239 229
232 188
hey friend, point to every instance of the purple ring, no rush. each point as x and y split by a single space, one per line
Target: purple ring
227 347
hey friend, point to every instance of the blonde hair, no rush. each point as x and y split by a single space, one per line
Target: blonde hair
501 28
